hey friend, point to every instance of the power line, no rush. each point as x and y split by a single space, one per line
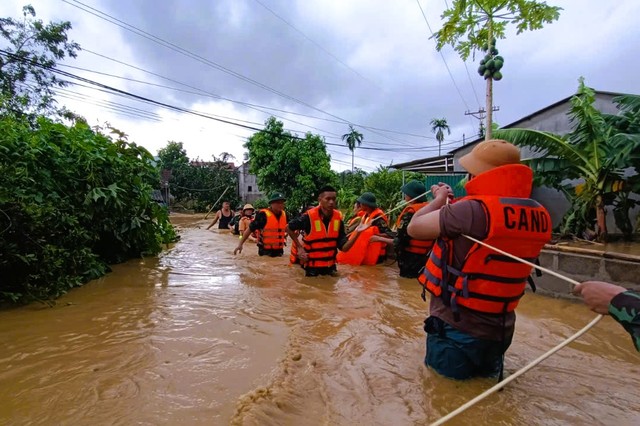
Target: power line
442 56
315 43
256 107
122 24
252 106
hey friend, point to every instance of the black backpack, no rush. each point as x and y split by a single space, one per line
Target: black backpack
236 223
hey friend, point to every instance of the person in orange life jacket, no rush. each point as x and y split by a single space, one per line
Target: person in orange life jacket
356 219
374 217
270 223
411 253
324 235
245 221
224 215
475 290
293 255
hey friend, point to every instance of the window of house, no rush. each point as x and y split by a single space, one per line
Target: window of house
249 188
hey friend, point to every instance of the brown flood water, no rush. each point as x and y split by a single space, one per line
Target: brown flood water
198 337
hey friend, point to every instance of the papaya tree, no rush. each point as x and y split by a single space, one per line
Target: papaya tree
472 25
602 153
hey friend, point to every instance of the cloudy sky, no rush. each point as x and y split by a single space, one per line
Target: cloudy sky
320 64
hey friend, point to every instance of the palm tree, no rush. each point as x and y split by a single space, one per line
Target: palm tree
352 139
438 126
596 152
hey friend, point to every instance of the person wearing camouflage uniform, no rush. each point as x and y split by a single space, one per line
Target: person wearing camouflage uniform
623 305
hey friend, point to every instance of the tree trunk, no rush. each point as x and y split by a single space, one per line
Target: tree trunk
352 161
487 130
601 219
489 96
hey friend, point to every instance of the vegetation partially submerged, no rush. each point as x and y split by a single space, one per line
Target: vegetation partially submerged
72 201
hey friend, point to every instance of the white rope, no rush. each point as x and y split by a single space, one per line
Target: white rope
520 372
404 203
548 271
535 362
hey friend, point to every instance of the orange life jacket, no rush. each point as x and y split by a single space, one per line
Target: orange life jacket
356 218
321 244
272 236
366 218
413 245
489 282
293 255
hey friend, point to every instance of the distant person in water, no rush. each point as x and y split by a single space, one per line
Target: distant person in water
411 253
223 216
623 305
270 224
323 234
245 221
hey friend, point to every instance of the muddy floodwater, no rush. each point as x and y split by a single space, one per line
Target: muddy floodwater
197 336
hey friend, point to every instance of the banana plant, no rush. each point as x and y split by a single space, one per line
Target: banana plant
596 164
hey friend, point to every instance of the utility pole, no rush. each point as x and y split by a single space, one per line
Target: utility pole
480 114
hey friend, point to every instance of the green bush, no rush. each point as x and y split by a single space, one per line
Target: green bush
72 201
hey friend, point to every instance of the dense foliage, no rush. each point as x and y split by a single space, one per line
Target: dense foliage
72 200
196 185
284 162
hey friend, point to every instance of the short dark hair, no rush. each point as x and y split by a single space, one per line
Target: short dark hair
326 188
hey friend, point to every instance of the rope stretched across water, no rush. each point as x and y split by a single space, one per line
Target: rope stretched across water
533 363
402 204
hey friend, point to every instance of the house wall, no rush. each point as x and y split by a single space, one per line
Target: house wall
248 185
556 120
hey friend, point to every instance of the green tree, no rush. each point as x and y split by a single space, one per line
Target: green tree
602 152
30 48
197 184
353 139
173 156
72 201
386 184
284 162
471 25
350 186
438 126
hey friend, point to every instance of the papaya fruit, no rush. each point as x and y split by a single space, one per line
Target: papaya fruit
497 76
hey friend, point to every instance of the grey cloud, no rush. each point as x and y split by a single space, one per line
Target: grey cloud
411 85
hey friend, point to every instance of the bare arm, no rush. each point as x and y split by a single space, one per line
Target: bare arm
381 239
297 242
425 223
215 219
354 236
245 235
